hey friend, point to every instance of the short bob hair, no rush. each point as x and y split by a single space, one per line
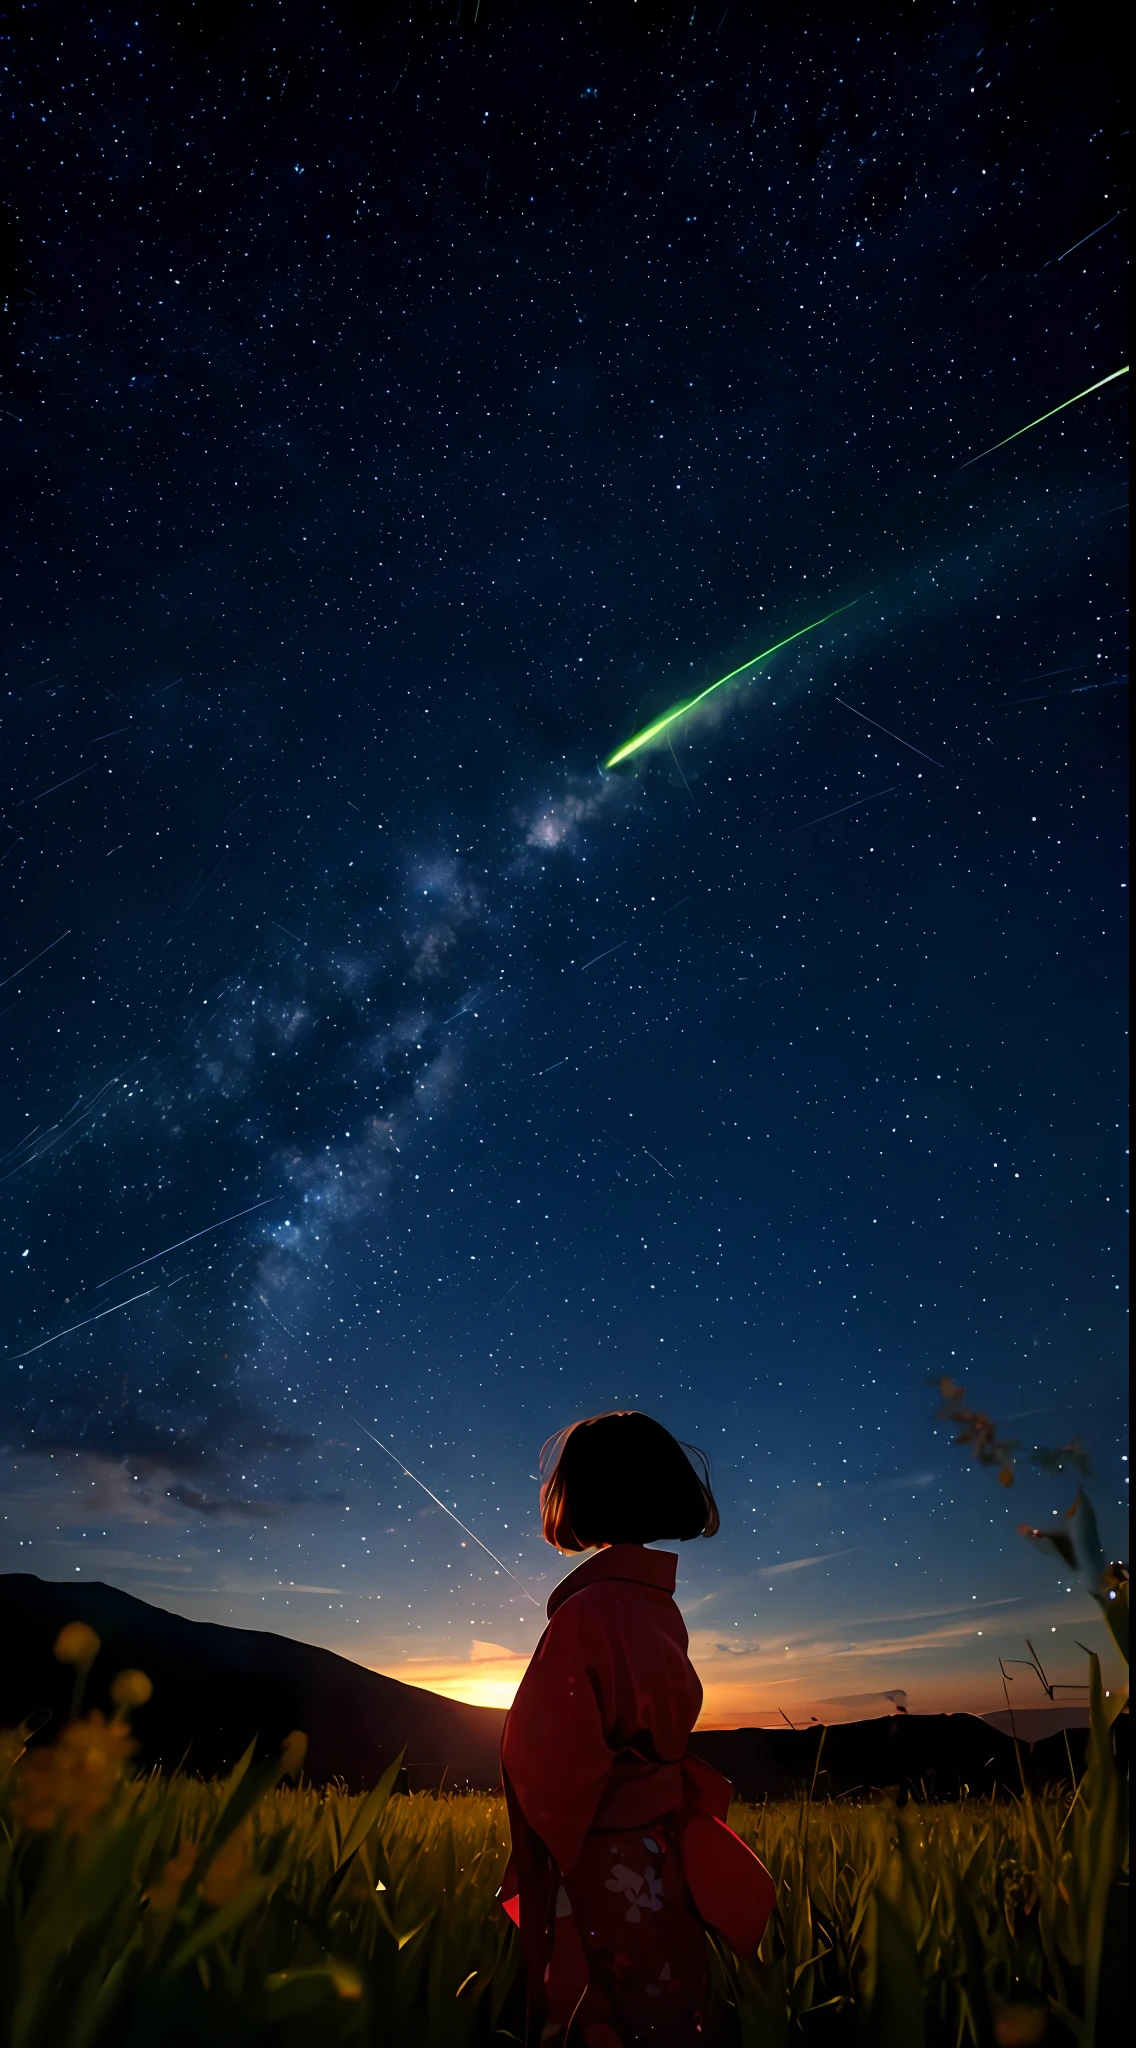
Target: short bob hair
623 1478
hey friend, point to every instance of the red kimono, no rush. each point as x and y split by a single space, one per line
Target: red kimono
621 1853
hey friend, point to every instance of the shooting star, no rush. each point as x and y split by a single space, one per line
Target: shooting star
1074 670
678 765
101 736
823 819
72 1327
17 971
195 893
263 1300
659 725
1077 690
27 1139
137 1264
41 793
47 1143
659 1164
478 996
1042 417
1092 234
892 735
597 957
441 1504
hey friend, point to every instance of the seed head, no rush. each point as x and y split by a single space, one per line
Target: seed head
77 1644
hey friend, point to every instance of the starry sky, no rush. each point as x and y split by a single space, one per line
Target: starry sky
401 407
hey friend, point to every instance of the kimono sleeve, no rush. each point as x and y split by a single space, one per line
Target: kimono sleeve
555 1752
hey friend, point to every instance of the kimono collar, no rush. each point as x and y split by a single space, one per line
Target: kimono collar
655 1568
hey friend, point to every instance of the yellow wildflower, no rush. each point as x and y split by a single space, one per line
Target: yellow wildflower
163 1896
77 1644
68 1782
131 1689
230 1867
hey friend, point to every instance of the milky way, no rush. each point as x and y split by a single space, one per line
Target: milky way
395 416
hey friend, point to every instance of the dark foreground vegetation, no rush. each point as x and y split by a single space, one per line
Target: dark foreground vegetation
255 1911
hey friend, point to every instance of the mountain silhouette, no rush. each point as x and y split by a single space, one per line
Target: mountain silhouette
215 1688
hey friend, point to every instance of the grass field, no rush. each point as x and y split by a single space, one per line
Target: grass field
255 1911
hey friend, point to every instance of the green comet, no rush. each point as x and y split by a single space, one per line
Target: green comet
659 725
1076 398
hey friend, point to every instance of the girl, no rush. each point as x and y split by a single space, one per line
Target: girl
621 1855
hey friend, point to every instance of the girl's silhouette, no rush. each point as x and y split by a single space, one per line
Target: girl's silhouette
621 1853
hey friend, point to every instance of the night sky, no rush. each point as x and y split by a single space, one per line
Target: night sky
402 406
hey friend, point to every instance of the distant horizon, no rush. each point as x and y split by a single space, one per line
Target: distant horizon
489 1674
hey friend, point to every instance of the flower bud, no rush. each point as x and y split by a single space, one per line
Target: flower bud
77 1644
131 1689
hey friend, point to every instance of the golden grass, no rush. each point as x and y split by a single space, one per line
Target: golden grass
248 1911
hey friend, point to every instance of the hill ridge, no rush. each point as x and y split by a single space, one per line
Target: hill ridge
216 1686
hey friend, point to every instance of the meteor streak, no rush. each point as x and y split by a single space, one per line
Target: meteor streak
826 815
659 1164
72 1327
58 785
659 725
1086 238
194 1234
17 971
1077 396
891 735
1078 690
441 1504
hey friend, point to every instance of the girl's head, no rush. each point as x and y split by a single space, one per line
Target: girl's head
623 1478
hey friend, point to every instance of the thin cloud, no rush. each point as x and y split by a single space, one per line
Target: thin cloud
224 1505
821 1641
100 1558
935 1613
866 1699
800 1564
